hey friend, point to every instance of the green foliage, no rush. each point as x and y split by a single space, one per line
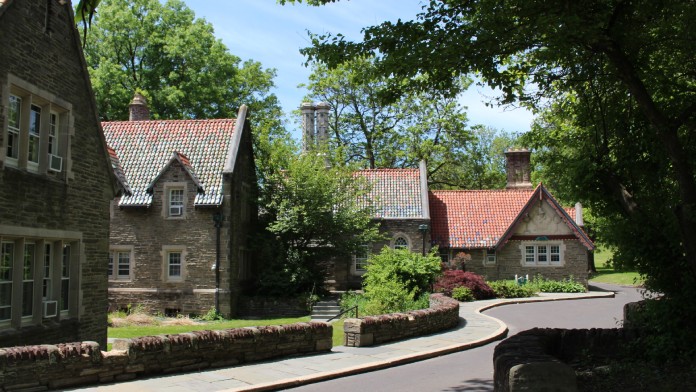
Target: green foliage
510 289
350 299
541 284
398 280
312 213
462 294
211 315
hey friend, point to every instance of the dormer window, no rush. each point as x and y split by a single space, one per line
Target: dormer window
176 202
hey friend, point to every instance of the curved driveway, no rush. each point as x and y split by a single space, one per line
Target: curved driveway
472 370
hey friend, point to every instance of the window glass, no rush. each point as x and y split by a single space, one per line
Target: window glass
400 243
53 134
6 261
47 272
65 279
176 202
28 280
123 265
529 254
174 264
541 254
15 109
361 256
34 132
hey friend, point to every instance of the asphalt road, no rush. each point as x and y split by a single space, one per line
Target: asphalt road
472 370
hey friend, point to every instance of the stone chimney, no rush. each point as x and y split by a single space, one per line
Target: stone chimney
307 109
322 123
518 168
138 110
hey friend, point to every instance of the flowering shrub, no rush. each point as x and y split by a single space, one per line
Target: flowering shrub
456 278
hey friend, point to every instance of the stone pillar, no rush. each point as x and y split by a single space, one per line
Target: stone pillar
307 126
322 124
518 168
138 110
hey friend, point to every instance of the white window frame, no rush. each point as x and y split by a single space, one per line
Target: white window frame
29 149
543 253
117 254
489 257
27 271
360 258
396 238
167 251
167 204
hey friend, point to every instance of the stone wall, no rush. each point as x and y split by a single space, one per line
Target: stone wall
442 314
41 55
535 360
509 263
76 364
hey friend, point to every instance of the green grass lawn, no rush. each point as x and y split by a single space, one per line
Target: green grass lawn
607 274
149 330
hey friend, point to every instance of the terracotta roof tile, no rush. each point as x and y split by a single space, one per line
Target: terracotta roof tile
118 170
474 219
146 147
394 193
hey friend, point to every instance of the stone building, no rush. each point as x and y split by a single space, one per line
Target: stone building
179 241
520 230
56 182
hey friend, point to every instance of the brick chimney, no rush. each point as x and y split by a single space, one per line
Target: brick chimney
138 110
518 168
307 109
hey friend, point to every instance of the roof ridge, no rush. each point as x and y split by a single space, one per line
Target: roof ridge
173 120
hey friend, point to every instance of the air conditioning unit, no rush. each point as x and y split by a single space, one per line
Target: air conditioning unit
50 308
176 210
56 163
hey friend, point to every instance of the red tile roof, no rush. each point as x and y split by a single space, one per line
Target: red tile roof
146 147
485 219
474 218
118 170
394 193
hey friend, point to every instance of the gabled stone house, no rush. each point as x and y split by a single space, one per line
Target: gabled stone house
179 241
56 182
516 231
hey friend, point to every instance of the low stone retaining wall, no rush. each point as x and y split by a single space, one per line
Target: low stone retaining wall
31 368
442 314
535 360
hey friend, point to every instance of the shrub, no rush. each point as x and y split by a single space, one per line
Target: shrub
398 280
350 299
539 283
510 289
455 278
462 294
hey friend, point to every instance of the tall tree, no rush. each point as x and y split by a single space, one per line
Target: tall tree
366 129
642 49
174 58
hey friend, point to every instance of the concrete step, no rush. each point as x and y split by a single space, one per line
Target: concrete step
325 309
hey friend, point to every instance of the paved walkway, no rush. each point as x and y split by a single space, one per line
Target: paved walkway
475 329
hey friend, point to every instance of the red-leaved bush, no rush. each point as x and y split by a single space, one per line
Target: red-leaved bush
457 278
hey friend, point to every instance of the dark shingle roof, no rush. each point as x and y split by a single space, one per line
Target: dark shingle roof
146 147
394 193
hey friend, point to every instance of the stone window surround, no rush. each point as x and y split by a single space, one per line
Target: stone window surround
166 250
114 250
20 236
50 104
167 187
396 236
561 246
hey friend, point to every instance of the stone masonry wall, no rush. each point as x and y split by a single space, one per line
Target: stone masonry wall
83 363
148 231
40 47
509 262
442 314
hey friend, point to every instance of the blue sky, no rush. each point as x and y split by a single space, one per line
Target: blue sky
272 34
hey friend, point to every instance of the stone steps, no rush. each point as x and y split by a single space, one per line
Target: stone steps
325 309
